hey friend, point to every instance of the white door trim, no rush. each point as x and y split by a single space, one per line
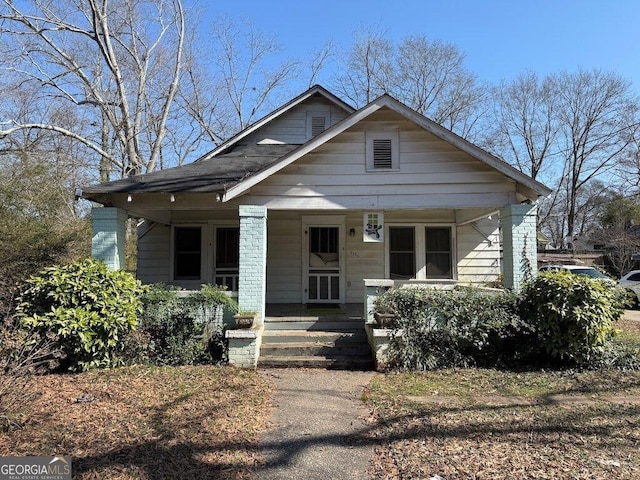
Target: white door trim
308 221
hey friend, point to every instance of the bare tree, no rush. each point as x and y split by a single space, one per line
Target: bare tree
431 78
526 127
319 60
365 71
428 76
619 232
118 61
239 56
627 172
571 130
598 120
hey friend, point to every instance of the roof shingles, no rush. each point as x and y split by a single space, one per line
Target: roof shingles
212 175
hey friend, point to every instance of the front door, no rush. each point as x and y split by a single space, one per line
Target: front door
324 265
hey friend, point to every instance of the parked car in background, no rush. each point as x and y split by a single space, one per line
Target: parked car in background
578 270
631 281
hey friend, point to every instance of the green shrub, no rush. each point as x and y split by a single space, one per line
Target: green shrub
452 328
86 306
175 330
573 315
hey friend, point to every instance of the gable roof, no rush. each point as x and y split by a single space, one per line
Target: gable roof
232 170
533 186
315 90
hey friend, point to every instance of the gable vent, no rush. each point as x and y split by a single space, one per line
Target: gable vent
318 125
382 157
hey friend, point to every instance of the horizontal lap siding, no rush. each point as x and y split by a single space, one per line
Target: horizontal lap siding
153 253
363 260
291 127
432 173
284 257
478 260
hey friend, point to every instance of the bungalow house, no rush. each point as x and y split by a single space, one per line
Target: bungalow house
314 198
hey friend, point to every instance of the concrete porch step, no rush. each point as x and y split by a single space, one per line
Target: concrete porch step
326 341
309 349
313 325
296 336
356 363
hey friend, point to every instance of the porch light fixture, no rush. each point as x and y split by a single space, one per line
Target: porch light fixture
352 232
129 199
172 198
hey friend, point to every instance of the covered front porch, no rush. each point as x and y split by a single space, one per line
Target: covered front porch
303 257
310 266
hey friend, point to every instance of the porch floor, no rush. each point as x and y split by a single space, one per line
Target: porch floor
296 312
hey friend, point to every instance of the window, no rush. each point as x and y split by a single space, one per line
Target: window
187 253
227 259
420 252
438 251
382 151
402 253
317 122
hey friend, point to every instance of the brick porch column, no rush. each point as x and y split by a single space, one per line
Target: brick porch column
109 232
519 243
253 259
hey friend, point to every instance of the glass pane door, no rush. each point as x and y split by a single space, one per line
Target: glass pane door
324 264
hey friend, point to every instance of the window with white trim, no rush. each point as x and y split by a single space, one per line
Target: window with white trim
227 257
438 252
317 122
402 253
187 253
420 252
382 151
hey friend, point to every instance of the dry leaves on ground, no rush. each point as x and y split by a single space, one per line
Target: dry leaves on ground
564 435
139 422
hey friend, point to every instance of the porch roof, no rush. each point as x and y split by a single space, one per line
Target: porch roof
208 176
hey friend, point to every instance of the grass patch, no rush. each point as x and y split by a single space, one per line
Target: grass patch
466 383
146 422
629 331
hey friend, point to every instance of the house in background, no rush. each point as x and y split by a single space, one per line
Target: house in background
308 202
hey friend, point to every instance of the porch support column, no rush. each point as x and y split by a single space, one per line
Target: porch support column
519 243
109 232
253 260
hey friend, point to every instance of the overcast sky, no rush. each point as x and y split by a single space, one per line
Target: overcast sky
500 38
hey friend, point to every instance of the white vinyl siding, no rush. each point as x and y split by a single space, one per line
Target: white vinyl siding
431 173
478 246
477 254
154 245
293 127
284 257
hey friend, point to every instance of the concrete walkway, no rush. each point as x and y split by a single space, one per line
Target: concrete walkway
318 426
